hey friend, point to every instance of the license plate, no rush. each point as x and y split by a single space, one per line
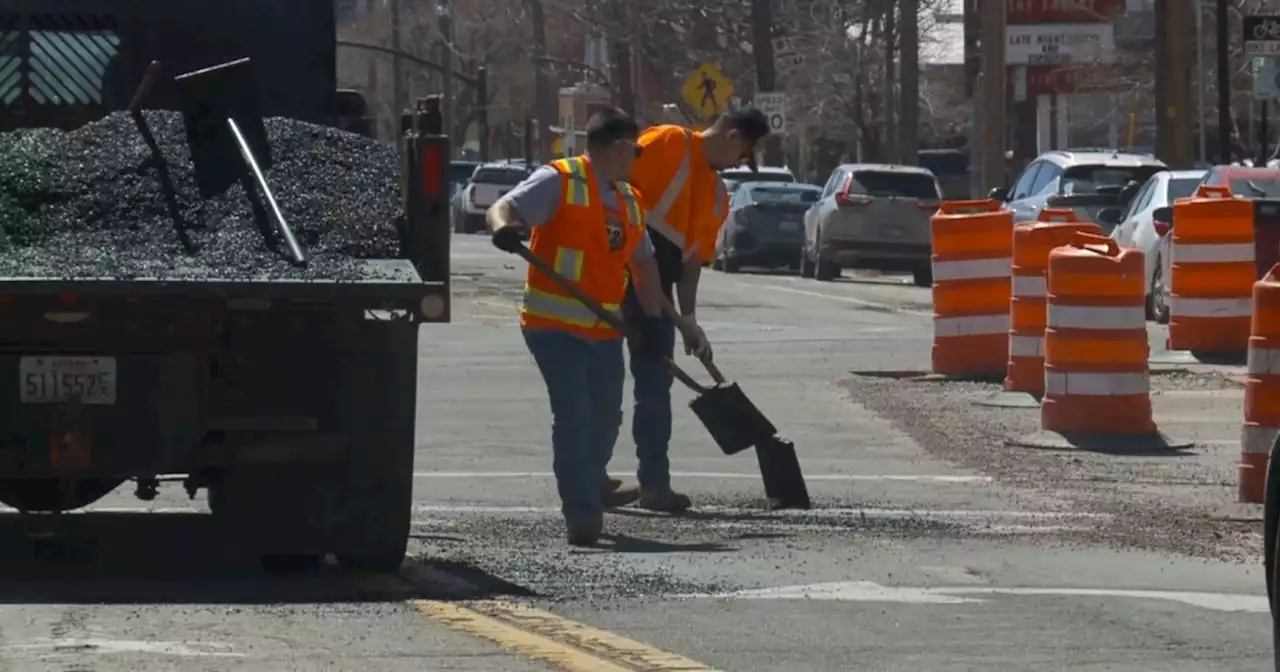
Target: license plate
790 226
47 380
890 230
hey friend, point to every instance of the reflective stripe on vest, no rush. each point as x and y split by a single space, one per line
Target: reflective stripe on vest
564 309
656 219
569 263
632 202
579 191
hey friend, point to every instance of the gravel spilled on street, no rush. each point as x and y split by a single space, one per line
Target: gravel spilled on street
943 418
97 202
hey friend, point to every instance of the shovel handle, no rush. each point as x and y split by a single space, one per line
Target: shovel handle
680 375
715 372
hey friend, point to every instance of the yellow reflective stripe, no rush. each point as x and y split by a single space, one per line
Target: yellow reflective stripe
563 309
633 205
579 194
569 263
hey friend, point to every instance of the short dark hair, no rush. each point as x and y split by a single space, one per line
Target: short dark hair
751 123
609 126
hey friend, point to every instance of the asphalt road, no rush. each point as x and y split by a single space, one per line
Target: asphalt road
932 544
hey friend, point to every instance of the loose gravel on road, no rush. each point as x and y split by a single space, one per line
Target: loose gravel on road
98 202
942 417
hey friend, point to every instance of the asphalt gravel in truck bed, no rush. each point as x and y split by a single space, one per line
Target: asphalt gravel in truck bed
92 203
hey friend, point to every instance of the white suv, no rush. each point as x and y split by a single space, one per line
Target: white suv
488 184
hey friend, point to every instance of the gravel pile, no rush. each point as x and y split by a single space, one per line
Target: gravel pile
93 203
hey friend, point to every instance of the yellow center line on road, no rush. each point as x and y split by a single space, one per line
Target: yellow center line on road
540 635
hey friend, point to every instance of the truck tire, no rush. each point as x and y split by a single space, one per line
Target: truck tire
50 495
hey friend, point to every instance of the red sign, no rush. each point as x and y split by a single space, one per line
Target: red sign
1064 11
1046 79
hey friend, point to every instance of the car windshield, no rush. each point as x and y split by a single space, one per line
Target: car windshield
885 183
1181 187
1256 187
782 194
504 176
1088 179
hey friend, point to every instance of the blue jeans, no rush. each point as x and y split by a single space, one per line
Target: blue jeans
584 383
651 420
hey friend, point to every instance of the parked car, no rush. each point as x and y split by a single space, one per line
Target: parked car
765 226
734 177
489 182
1137 226
1245 182
951 167
1085 180
872 216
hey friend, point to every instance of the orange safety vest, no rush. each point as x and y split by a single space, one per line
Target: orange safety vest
672 179
575 242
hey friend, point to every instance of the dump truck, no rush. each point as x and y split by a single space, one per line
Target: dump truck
290 403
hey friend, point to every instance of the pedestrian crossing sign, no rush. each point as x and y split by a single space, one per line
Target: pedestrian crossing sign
706 91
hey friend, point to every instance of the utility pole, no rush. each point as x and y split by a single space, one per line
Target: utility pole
622 59
889 144
766 71
444 13
1224 83
909 152
543 95
972 68
397 81
991 121
1173 82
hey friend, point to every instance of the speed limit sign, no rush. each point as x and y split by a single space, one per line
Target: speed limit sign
774 106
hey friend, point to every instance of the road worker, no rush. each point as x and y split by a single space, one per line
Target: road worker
588 224
685 204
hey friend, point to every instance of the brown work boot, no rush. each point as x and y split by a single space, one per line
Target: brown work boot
616 494
584 533
667 501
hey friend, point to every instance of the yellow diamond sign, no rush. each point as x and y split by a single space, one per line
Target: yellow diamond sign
706 91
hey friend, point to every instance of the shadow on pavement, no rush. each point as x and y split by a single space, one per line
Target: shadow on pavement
622 543
175 558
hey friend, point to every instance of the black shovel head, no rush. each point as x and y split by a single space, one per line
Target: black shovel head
733 421
780 469
208 98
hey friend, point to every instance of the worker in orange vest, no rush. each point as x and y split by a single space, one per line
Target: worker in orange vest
685 204
588 224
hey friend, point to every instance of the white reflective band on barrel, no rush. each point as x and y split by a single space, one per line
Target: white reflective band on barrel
1096 384
1030 286
1257 440
1264 361
969 269
1097 317
1185 307
1026 346
974 325
1211 254
656 219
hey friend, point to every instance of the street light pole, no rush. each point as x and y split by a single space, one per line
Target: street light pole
1224 84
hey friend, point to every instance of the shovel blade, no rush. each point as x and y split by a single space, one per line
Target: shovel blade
208 98
780 469
732 420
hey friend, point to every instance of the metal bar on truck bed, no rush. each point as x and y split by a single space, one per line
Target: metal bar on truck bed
294 250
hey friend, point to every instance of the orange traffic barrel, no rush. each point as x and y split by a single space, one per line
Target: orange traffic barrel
1027 308
1261 390
1097 392
1212 272
972 254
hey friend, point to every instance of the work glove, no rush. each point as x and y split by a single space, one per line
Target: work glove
695 339
507 239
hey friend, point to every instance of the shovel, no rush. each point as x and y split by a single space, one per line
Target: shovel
729 416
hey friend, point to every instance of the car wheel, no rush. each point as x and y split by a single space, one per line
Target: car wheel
827 270
1271 521
1158 301
716 265
731 265
806 264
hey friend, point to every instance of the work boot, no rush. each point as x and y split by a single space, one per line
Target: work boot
584 533
616 494
667 501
